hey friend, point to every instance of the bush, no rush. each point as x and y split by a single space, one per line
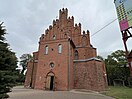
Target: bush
20 79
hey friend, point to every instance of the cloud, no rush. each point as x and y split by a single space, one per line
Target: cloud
26 20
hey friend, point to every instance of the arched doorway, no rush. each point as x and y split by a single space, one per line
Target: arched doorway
50 79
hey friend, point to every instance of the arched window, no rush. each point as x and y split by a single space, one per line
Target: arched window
65 35
46 49
59 48
76 55
54 37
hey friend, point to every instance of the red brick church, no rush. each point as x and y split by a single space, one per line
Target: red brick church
65 59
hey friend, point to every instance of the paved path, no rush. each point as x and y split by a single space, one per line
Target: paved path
22 93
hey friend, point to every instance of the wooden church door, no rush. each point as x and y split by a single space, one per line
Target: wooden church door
50 81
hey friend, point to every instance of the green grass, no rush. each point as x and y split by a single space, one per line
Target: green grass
119 92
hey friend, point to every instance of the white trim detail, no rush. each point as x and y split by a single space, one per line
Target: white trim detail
85 60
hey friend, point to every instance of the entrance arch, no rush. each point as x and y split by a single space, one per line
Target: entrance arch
50 79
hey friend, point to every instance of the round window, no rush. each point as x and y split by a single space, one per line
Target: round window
51 64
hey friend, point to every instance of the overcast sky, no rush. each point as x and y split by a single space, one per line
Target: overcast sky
26 20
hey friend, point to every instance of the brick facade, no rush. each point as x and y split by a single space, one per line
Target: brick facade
65 59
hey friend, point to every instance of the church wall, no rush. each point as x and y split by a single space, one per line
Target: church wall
86 52
60 70
83 77
34 74
101 76
28 74
89 75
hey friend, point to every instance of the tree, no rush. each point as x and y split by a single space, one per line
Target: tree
25 58
100 57
8 64
116 66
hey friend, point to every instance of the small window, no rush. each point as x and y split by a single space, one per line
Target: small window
54 37
46 49
59 48
76 55
52 65
65 35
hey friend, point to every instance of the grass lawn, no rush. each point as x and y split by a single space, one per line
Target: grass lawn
119 92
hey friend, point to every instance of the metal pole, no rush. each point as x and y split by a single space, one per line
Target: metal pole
125 38
124 41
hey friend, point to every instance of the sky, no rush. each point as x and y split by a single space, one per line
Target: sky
26 20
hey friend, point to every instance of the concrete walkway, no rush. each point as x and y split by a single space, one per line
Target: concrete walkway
22 93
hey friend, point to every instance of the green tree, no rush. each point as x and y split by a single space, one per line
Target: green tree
116 66
8 64
100 57
25 58
23 62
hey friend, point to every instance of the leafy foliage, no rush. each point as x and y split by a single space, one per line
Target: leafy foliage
21 78
8 64
25 58
116 66
100 57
